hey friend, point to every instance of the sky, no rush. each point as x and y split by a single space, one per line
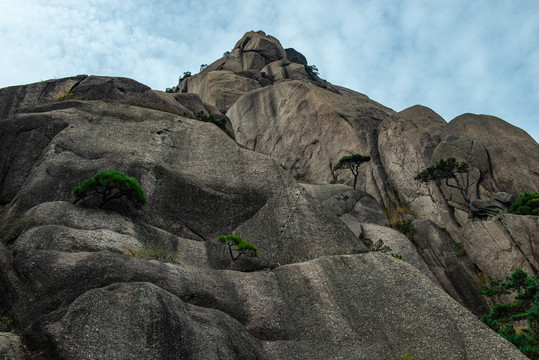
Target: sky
454 56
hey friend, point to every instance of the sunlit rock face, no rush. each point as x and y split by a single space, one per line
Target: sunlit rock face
116 282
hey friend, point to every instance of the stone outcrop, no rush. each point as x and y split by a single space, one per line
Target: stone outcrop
343 200
453 269
406 141
501 244
341 306
175 162
10 346
120 283
310 134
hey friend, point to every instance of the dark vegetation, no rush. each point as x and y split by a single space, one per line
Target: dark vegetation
186 74
202 116
311 70
238 246
448 169
352 162
526 204
503 317
111 185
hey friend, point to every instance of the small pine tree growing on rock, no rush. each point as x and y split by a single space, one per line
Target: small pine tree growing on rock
111 185
352 162
502 318
447 169
236 244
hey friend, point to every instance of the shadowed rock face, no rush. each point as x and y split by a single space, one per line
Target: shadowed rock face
82 282
351 306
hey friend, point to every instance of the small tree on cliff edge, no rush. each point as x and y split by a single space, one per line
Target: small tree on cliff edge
446 170
236 244
352 162
111 185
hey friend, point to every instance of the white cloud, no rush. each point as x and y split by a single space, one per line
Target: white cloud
453 56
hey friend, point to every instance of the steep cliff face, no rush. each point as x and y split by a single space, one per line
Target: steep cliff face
85 282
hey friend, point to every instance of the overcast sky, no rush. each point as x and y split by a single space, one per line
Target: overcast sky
454 56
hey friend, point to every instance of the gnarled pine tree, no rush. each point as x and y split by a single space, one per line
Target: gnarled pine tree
238 245
446 170
352 162
111 185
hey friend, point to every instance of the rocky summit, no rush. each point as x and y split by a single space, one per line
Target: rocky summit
251 146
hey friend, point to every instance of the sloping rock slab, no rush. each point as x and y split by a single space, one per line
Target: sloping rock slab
142 321
190 172
455 273
367 306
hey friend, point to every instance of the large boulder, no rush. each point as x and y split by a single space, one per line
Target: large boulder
406 141
500 244
506 155
220 88
311 133
103 323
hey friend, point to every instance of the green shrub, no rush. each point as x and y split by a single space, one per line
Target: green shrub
111 185
502 318
459 250
397 256
202 116
526 204
236 244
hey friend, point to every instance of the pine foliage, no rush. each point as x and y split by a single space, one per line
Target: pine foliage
236 244
352 162
502 318
111 185
526 204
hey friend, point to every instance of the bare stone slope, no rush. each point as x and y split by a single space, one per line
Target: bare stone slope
85 282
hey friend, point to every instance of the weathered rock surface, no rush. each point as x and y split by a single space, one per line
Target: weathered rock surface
406 142
174 164
310 134
499 245
343 199
454 271
10 346
511 158
337 306
165 327
220 88
315 291
399 244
